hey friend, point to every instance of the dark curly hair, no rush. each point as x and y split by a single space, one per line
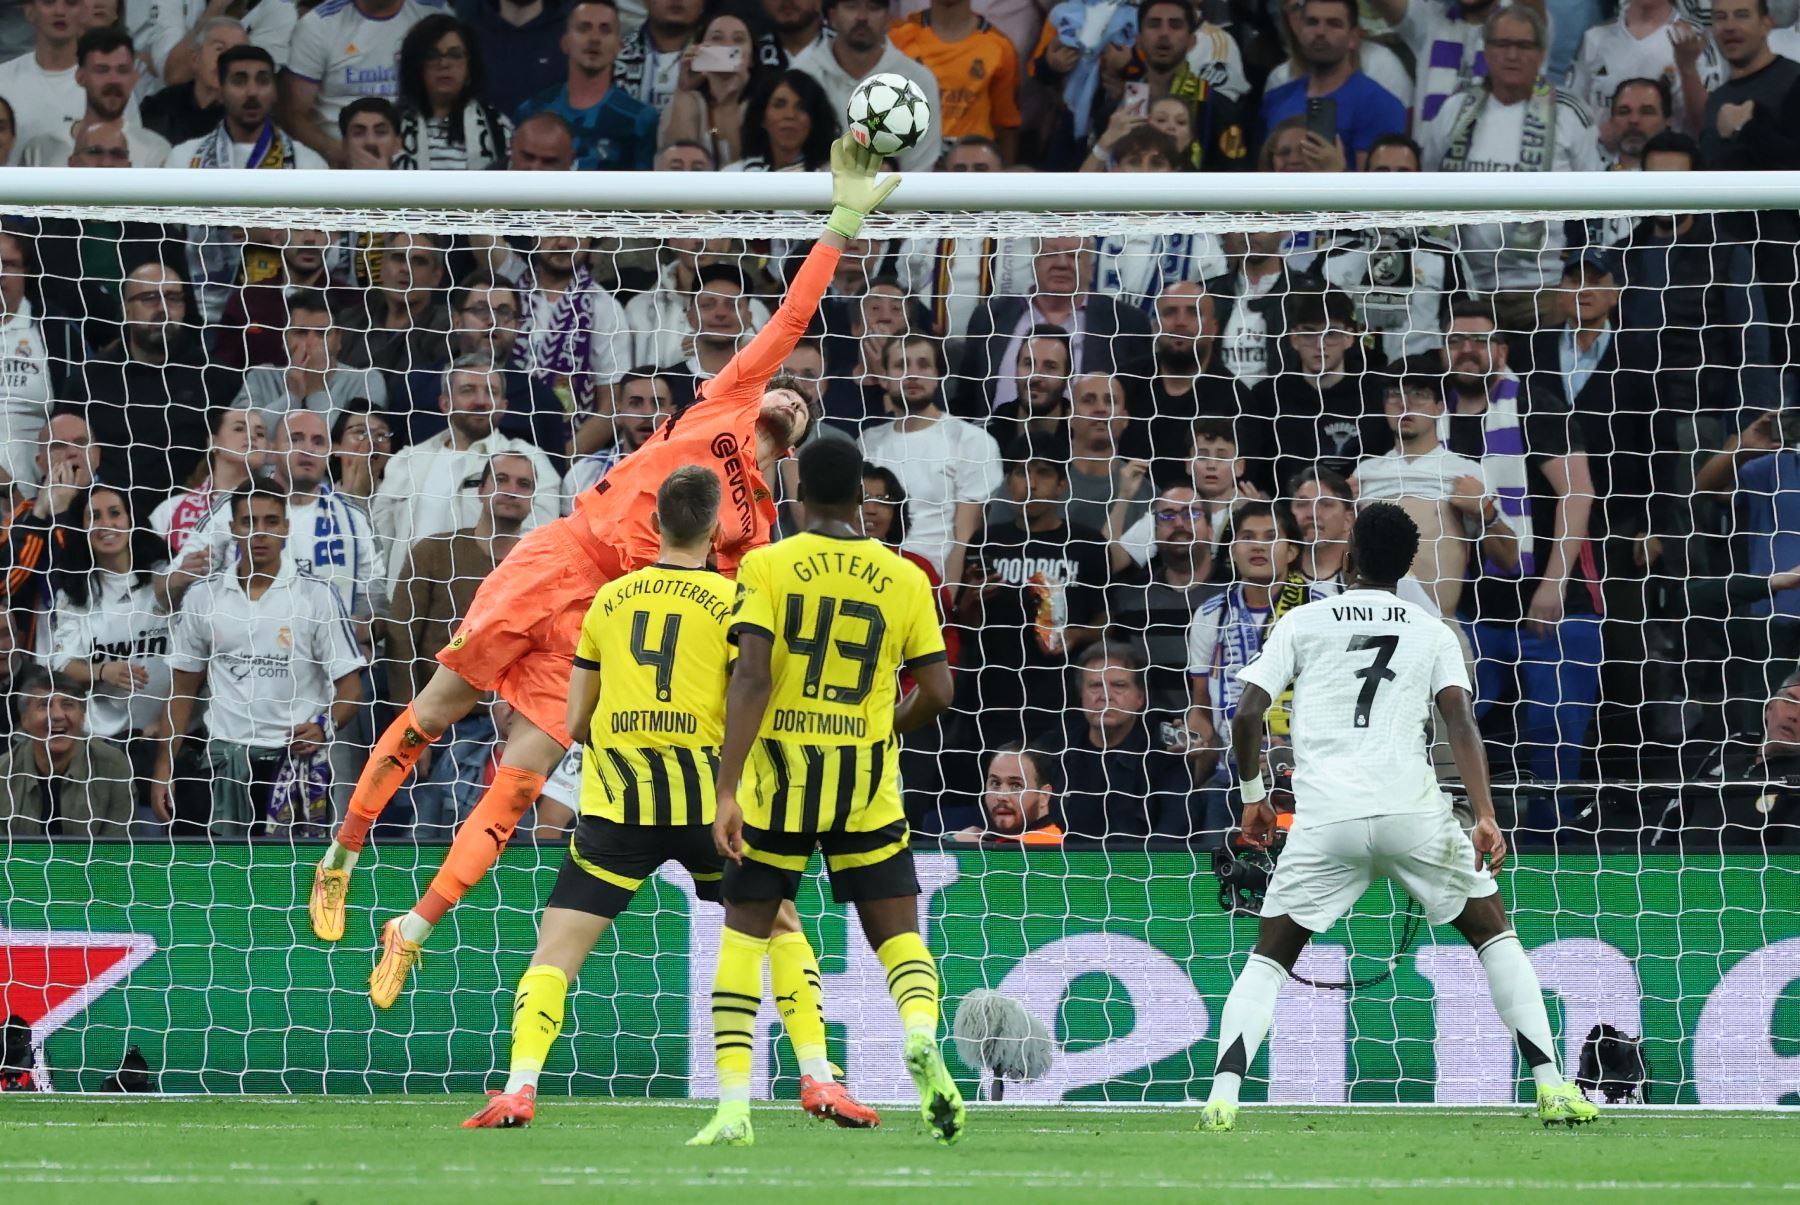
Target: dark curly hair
418 44
815 154
74 570
1383 543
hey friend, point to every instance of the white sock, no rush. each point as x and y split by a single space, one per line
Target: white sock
819 1069
339 858
414 927
1520 1002
735 1096
1244 1024
518 1081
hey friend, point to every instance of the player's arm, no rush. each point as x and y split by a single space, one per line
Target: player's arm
1247 734
930 699
584 692
1455 706
746 699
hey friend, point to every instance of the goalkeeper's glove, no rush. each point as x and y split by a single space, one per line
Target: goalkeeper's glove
855 193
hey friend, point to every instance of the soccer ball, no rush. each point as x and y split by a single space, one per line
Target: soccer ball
888 114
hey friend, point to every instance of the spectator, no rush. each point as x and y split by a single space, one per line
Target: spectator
1166 38
1330 36
109 623
1372 58
682 156
861 48
1035 597
661 319
543 142
1188 380
1318 411
613 130
98 144
1018 802
1399 278
362 443
1515 121
24 363
189 110
789 125
1107 335
1153 606
370 129
1766 762
405 317
176 43
522 43
1762 465
1292 147
1118 781
652 55
799 25
1216 469
976 70
1248 301
1217 59
1394 153
107 72
251 317
147 396
1447 495
11 663
342 51
246 136
1639 111
313 376
1101 482
9 131
950 467
1650 41
268 639
642 402
445 124
38 526
575 333
1040 405
952 276
1134 147
55 779
44 94
708 107
1260 546
1540 620
436 586
1446 41
421 493
237 448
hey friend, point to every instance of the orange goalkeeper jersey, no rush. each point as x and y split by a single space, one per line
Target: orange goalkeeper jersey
612 520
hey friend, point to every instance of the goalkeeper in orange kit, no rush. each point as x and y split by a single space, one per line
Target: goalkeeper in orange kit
520 633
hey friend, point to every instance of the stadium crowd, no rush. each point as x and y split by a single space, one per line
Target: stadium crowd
1121 457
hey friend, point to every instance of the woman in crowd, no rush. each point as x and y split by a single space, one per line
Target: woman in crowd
444 124
9 130
789 126
238 447
709 107
362 443
109 622
24 363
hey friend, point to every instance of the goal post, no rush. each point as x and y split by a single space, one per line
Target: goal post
1206 335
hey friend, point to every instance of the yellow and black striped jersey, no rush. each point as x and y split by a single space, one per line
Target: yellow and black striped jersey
843 615
658 638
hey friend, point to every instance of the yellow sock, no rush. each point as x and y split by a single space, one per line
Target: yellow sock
912 981
794 976
737 994
537 1019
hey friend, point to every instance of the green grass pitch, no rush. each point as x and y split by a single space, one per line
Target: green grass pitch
390 1150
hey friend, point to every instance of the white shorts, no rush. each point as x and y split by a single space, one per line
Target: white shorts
1324 869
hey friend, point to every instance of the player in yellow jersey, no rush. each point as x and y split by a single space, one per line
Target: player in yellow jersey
647 701
824 621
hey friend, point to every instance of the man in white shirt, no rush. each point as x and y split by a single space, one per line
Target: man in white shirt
174 33
275 647
422 492
860 49
949 468
106 70
343 50
1648 41
1446 41
40 85
248 136
1514 121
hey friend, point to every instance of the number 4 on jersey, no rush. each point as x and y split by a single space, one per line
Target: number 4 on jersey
1373 674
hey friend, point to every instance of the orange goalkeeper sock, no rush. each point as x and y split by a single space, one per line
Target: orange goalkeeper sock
392 759
481 839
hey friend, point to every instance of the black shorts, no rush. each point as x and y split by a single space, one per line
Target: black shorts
608 861
873 865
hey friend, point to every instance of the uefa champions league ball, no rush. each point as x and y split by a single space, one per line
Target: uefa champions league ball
888 114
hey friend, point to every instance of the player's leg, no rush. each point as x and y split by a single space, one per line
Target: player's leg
799 994
527 761
754 894
874 870
1320 875
445 700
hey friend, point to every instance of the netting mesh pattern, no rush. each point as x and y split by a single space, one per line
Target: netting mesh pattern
1120 445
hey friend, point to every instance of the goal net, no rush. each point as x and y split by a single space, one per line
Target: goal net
1124 421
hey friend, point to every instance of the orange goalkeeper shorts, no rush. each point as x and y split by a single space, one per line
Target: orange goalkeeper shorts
520 633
